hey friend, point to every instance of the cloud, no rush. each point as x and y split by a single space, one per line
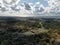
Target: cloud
10 1
0 1
39 8
7 1
30 8
27 6
53 6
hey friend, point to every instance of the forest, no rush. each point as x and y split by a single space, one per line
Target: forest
30 32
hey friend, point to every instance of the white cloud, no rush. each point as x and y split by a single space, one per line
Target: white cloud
11 1
53 7
8 1
0 1
39 8
37 2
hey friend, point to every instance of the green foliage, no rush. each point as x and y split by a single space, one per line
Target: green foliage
13 32
52 25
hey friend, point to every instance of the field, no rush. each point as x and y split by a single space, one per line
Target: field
30 32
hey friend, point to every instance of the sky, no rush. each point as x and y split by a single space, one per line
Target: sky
32 6
45 3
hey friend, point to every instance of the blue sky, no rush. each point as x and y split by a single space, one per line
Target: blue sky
45 3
